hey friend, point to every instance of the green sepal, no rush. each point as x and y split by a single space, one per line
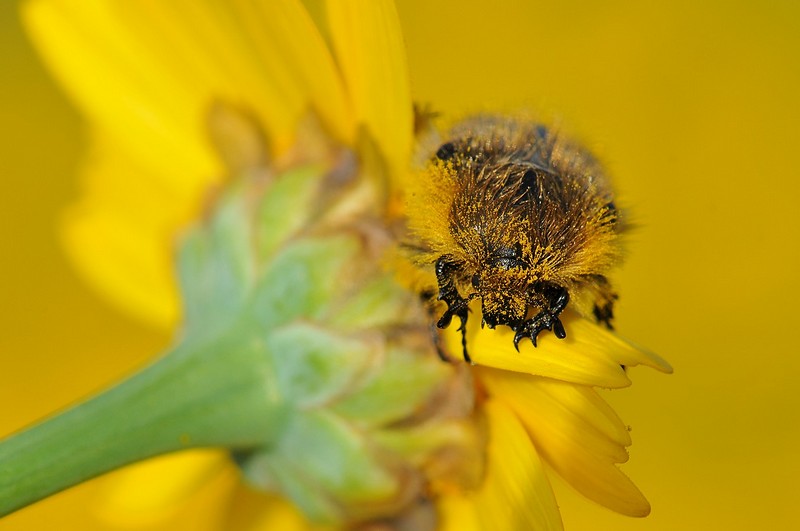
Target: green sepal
302 279
399 389
345 467
216 267
297 349
315 366
287 208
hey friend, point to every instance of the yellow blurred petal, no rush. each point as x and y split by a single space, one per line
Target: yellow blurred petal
576 433
371 55
156 67
457 512
147 98
154 490
516 493
147 74
289 47
121 233
256 511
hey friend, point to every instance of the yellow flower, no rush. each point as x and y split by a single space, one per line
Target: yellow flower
147 76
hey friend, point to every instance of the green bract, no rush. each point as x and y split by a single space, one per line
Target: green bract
299 352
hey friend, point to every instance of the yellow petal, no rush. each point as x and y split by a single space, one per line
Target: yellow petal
147 74
155 67
458 512
291 49
631 355
154 490
143 96
256 511
516 493
583 357
371 55
575 432
121 233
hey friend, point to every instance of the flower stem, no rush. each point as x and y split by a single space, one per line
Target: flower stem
201 394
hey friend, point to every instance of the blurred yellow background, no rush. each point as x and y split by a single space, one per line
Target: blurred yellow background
695 110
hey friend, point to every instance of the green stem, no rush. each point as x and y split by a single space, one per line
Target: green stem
198 395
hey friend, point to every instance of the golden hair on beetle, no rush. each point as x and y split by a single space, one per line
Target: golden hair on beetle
511 213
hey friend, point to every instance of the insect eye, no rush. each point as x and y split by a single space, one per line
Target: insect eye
476 281
446 151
